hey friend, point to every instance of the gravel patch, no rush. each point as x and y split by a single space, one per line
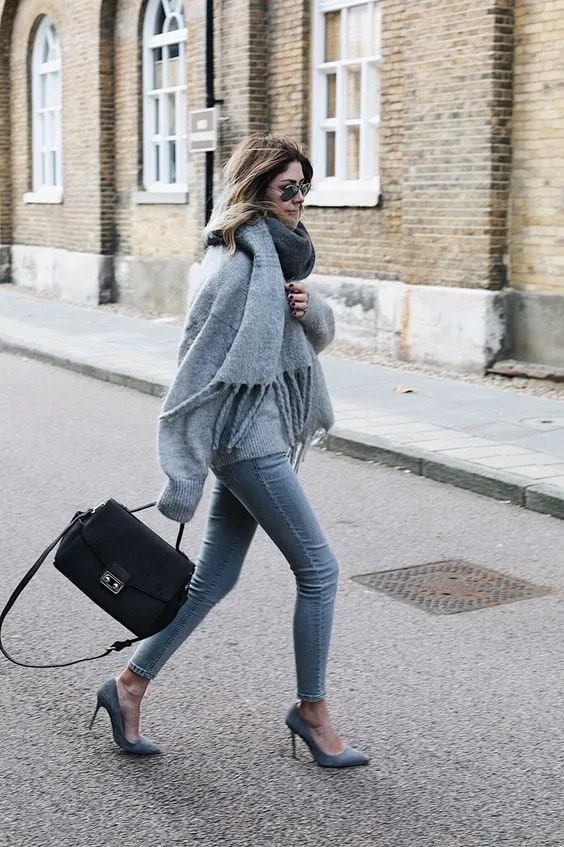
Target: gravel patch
539 388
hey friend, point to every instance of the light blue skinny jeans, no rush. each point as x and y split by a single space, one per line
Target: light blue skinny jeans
263 491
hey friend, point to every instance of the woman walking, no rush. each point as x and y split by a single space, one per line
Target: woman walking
247 400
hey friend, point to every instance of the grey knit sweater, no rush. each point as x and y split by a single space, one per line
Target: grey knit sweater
249 382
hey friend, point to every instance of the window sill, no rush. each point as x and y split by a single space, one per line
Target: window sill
147 198
335 193
52 197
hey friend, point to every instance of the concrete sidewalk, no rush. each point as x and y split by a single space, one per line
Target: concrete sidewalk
490 441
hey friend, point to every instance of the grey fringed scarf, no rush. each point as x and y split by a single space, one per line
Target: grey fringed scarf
262 348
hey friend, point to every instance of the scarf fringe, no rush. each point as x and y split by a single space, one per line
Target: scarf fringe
192 402
292 392
284 409
296 402
224 413
245 416
298 452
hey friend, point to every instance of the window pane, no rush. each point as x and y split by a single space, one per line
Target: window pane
173 71
370 160
48 178
170 114
358 32
172 24
156 128
332 36
54 178
377 31
43 169
51 50
331 95
52 88
330 154
158 67
51 137
172 161
156 162
353 152
43 93
373 90
42 129
160 19
165 82
353 92
47 130
174 50
181 114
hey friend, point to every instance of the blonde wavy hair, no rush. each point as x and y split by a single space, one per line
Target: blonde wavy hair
254 163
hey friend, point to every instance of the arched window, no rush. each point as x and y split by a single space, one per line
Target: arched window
46 111
164 96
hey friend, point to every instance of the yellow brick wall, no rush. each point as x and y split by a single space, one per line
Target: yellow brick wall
74 224
101 82
7 14
351 241
152 230
444 162
102 125
169 230
445 107
536 251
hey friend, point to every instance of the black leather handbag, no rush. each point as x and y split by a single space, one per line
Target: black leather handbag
122 566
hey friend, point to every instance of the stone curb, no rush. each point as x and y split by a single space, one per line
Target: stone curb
490 482
146 386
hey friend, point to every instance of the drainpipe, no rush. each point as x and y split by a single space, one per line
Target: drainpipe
210 103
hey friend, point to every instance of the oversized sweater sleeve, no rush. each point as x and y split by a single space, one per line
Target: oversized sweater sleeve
318 322
192 409
184 449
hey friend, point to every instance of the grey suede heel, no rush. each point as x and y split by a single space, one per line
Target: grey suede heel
107 698
349 758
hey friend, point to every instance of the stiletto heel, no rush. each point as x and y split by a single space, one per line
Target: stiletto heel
91 724
107 697
293 738
349 758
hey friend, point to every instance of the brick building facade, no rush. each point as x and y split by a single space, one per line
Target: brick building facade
434 126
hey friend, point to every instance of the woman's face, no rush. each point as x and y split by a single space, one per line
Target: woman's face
290 210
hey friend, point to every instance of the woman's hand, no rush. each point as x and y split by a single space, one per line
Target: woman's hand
297 298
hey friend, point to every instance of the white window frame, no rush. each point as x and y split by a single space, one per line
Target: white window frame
47 187
338 190
157 188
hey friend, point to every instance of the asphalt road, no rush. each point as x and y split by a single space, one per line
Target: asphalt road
462 713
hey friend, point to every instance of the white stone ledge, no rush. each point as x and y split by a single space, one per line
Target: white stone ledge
160 198
343 195
52 197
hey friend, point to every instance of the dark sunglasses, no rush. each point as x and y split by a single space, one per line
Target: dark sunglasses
290 191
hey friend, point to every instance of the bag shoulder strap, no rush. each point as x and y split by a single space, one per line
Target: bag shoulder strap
115 647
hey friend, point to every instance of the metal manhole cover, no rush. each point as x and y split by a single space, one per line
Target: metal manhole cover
451 586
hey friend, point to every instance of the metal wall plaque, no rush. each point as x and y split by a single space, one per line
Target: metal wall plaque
202 129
